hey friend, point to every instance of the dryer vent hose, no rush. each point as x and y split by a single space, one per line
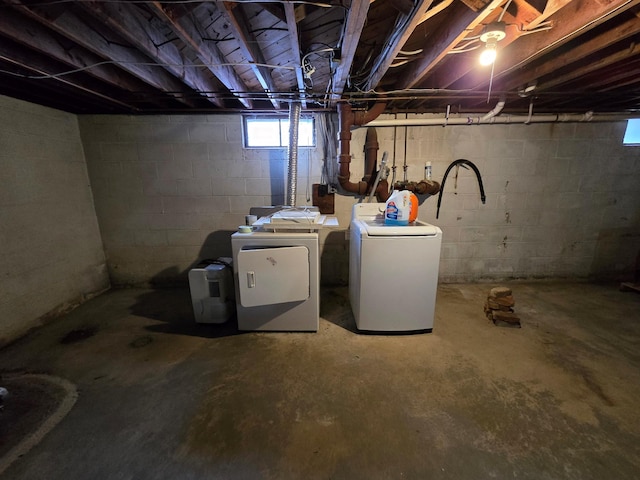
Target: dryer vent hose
292 163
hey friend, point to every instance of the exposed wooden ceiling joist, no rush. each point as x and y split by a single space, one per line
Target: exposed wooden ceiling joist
238 23
445 38
40 66
572 22
356 18
37 37
184 27
581 51
397 41
129 22
70 26
197 56
292 25
575 19
625 54
524 22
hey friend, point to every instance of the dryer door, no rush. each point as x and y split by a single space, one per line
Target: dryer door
273 275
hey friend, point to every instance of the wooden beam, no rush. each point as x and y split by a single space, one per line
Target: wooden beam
35 36
445 38
590 67
52 95
387 57
570 23
129 22
574 20
42 66
185 28
356 19
580 51
625 77
292 25
476 5
455 68
238 23
622 78
436 9
276 10
69 25
403 6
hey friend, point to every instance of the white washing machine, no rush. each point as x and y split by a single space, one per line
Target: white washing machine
277 278
393 272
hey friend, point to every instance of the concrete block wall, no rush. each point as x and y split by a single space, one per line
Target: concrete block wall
562 199
51 254
170 190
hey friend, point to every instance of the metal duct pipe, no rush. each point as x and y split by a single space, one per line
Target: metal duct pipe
468 119
292 163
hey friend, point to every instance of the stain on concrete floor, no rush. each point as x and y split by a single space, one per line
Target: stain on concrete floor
555 399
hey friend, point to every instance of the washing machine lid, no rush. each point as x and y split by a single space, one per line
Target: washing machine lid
377 228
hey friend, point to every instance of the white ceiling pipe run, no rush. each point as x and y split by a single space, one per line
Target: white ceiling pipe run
475 119
496 110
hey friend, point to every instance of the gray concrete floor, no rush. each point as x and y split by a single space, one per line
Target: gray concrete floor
161 397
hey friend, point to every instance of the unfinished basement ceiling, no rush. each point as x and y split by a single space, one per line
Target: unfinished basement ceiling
144 57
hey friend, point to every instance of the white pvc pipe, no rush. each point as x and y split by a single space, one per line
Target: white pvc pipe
475 119
496 110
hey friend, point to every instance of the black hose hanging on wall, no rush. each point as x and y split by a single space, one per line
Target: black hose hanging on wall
453 164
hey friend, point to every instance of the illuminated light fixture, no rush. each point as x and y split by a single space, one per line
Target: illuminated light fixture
493 33
488 55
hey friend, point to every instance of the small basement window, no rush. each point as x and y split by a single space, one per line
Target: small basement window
632 134
273 132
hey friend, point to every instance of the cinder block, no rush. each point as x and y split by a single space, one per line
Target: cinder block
51 246
159 187
119 152
154 152
225 151
194 186
190 152
568 148
231 187
175 169
242 204
150 237
141 170
242 168
207 133
263 186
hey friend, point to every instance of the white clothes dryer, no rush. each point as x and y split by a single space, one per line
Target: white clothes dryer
393 272
277 279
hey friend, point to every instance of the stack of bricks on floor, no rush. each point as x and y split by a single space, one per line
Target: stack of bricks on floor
499 307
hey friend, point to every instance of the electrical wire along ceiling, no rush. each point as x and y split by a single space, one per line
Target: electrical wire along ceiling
185 56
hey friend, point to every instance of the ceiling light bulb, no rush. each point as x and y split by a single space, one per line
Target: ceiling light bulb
488 56
493 33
